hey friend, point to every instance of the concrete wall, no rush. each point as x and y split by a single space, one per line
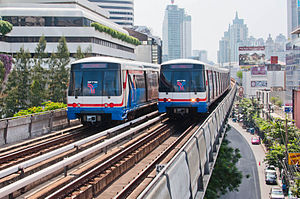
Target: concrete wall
187 174
20 128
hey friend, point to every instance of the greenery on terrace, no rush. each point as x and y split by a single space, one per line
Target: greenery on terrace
116 34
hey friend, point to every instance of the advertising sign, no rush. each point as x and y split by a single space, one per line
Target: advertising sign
258 83
258 70
274 59
294 158
251 55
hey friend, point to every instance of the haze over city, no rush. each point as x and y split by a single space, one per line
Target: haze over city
210 19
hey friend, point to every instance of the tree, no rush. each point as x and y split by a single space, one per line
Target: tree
79 54
239 74
39 77
225 177
59 72
16 95
5 27
7 65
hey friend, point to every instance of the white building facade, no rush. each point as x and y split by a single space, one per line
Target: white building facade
120 11
56 18
259 78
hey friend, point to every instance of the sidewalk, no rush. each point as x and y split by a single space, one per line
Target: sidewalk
259 153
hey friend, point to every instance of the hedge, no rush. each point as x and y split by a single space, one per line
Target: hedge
116 34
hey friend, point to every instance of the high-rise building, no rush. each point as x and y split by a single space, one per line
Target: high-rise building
120 11
293 10
177 42
235 37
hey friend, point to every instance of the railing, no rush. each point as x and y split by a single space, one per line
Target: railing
187 174
24 127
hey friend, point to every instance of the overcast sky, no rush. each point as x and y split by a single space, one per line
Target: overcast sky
210 19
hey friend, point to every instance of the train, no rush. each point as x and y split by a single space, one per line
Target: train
111 89
190 86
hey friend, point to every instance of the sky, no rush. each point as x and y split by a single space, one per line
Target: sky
211 18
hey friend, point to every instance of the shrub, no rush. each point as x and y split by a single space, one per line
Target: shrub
116 34
47 106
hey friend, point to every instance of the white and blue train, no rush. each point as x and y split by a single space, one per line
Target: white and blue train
105 89
190 86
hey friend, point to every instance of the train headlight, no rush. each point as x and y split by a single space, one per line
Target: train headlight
193 100
111 105
165 99
198 100
74 105
106 105
169 100
78 104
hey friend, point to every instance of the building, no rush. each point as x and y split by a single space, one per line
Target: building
120 11
263 77
293 10
235 37
177 42
293 50
296 107
151 48
56 18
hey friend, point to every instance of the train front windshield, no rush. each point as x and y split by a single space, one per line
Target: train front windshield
95 79
182 78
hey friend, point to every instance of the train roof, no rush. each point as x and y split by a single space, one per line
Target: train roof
193 61
124 62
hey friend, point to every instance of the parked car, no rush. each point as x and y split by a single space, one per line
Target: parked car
255 140
270 168
271 178
276 193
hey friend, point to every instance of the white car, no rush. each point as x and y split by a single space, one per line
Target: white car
276 193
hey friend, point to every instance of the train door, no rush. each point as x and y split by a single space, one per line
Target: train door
132 90
207 86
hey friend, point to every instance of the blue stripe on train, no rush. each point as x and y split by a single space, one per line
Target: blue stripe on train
202 107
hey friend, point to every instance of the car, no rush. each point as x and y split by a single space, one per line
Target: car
271 178
255 140
276 193
270 168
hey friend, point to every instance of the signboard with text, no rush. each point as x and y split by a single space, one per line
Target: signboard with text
251 55
258 70
258 83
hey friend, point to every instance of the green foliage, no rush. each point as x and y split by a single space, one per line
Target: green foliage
39 75
16 95
116 34
239 74
5 27
59 74
87 53
225 177
276 101
47 106
296 187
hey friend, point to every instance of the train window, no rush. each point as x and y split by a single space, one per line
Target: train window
111 83
197 81
165 83
75 83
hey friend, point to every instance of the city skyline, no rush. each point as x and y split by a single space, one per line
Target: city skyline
262 19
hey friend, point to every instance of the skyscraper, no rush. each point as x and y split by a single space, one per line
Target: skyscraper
293 10
177 42
236 36
120 11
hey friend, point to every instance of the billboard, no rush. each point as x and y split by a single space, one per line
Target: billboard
258 70
294 158
258 83
251 55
